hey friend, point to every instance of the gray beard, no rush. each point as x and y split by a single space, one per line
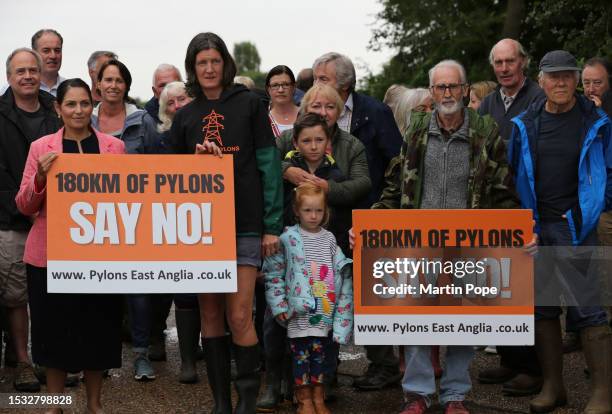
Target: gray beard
449 110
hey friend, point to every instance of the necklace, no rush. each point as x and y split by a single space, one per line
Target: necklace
282 115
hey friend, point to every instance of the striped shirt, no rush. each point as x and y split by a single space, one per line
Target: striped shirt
344 121
320 250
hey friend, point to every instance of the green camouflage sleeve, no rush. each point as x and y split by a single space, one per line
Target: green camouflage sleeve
391 195
502 193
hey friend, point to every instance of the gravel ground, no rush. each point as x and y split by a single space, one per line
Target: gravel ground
165 395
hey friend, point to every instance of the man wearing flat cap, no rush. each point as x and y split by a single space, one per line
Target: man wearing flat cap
560 155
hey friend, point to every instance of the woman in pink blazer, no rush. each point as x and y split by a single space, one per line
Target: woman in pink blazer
70 332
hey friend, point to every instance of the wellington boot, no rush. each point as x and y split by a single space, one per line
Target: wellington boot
288 379
270 397
550 354
217 355
597 346
318 398
303 395
188 331
247 378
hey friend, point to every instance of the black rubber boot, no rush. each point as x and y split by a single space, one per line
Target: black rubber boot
288 377
160 309
247 378
270 397
188 330
217 355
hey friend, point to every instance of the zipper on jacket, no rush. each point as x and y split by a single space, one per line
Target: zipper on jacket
445 142
588 166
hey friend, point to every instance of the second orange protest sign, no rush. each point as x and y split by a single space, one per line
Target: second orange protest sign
450 277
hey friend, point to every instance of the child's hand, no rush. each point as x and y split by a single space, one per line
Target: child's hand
351 238
282 317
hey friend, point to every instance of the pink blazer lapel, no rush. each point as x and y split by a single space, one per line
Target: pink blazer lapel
55 142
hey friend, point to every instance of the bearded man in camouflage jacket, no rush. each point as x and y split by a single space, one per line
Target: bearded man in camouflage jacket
452 158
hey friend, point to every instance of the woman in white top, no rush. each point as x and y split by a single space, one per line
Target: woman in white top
280 85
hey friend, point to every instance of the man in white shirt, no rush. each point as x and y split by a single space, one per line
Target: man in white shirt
48 43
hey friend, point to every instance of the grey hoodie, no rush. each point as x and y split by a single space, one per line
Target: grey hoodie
139 131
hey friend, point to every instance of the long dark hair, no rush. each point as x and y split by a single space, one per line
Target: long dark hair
125 74
63 88
205 41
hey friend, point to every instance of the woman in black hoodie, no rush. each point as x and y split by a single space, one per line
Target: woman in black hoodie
229 117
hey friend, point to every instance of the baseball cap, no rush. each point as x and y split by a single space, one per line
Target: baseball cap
557 61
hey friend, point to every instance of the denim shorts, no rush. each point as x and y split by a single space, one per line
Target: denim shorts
248 251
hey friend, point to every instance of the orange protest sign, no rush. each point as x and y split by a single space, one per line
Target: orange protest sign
452 267
141 224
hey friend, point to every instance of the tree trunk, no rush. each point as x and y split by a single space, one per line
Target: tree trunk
515 13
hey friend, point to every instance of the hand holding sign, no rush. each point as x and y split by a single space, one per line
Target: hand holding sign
43 165
209 147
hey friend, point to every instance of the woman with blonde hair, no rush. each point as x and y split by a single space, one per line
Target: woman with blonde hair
478 91
409 100
393 93
347 151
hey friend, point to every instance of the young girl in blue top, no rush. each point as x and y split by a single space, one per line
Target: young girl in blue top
309 285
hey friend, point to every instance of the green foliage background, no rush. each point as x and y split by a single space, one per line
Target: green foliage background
423 32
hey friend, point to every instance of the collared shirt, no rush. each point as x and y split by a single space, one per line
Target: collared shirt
507 99
52 89
344 121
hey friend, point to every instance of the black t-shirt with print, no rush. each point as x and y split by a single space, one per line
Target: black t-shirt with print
238 123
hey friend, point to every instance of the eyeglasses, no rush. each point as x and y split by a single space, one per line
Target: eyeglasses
452 87
595 83
277 86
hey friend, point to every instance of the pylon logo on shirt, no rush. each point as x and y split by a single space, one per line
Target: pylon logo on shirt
212 127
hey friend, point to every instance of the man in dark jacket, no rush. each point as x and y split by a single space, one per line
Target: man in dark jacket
160 304
519 370
163 75
515 91
26 114
373 124
363 117
560 153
